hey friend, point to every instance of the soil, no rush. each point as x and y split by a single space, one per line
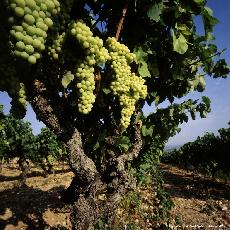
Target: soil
36 205
200 203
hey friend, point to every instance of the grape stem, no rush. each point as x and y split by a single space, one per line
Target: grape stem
120 24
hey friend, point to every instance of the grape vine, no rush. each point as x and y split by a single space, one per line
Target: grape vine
129 87
95 53
30 23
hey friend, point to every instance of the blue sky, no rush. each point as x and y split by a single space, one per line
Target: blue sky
218 90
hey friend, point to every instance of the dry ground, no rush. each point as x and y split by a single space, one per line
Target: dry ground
37 205
199 202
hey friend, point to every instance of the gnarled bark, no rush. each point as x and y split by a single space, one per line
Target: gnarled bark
91 194
94 197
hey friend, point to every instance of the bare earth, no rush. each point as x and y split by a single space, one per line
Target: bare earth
199 202
36 206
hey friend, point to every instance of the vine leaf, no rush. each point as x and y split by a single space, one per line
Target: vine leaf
199 2
67 78
147 131
143 69
106 90
209 22
180 44
141 59
123 143
155 11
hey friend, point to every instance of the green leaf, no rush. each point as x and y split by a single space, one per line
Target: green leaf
199 2
208 10
141 55
67 78
123 140
206 100
141 58
184 29
147 131
180 44
123 143
209 22
155 11
106 90
143 70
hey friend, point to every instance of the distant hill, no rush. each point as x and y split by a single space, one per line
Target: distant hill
169 148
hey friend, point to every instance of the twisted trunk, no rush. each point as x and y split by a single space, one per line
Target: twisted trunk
24 167
91 195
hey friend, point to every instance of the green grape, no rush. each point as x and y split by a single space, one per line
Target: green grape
43 7
27 10
24 55
32 59
126 85
35 14
19 11
31 4
34 18
48 22
17 28
29 49
20 45
20 3
96 53
86 86
56 48
37 55
18 103
50 5
29 19
30 30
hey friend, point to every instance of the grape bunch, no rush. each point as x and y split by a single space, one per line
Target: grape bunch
22 95
30 23
63 18
95 54
18 103
126 85
56 48
93 46
86 86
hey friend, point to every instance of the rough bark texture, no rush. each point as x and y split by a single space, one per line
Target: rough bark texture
94 194
94 198
41 104
24 167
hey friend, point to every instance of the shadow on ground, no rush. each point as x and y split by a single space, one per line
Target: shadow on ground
32 174
188 185
28 204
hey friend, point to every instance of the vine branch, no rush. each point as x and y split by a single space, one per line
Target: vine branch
120 24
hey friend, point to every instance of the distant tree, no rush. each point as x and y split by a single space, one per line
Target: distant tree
207 154
17 140
49 150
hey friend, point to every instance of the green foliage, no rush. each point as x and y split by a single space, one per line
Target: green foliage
88 65
208 154
170 54
92 76
49 149
180 44
18 140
